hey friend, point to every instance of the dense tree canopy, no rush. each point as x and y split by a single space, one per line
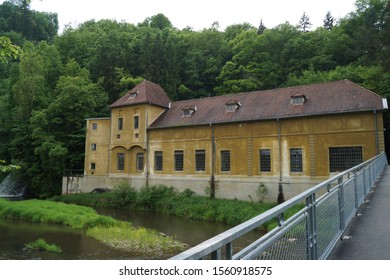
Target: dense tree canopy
59 80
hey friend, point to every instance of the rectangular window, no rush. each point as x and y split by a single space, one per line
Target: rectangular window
93 147
343 158
179 160
121 161
136 122
265 160
93 165
140 161
94 126
225 160
158 161
120 123
296 160
200 160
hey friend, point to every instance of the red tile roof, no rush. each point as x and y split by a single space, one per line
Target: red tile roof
144 93
326 98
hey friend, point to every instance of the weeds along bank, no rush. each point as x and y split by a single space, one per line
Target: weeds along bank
167 200
117 234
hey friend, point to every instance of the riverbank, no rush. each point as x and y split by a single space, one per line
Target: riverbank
114 233
166 200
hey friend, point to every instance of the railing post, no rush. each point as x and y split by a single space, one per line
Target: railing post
311 228
365 187
341 203
229 251
216 255
355 187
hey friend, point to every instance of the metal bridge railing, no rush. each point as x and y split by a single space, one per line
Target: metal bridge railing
310 233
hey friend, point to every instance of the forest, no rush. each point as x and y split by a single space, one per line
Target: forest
51 82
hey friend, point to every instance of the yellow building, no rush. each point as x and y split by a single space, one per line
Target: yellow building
291 137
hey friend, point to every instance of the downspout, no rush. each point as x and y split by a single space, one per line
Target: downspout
376 132
280 188
147 149
212 178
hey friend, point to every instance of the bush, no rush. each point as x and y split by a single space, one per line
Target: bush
151 198
124 195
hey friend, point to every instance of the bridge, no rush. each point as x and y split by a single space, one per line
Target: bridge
344 217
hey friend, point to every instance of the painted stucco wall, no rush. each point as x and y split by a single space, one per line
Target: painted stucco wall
314 135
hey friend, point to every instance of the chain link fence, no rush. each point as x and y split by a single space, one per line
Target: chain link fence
312 232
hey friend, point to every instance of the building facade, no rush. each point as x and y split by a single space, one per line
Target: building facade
246 146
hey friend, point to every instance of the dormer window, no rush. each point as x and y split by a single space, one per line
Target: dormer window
133 94
189 110
232 105
298 99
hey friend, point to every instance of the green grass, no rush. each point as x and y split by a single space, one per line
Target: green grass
109 231
50 212
125 237
42 245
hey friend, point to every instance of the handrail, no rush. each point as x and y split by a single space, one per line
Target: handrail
309 234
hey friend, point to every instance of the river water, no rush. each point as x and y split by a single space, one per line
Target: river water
76 245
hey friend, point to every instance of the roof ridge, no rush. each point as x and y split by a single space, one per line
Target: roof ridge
223 96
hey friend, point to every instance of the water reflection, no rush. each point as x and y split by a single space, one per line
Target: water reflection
76 245
188 231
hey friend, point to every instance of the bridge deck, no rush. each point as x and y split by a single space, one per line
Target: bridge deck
370 231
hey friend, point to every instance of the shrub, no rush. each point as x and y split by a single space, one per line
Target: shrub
124 195
187 193
149 196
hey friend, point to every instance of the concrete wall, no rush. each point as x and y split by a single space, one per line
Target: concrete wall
226 187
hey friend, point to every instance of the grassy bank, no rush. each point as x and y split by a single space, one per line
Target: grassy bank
185 204
120 235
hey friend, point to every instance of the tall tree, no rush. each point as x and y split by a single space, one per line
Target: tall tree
57 131
385 38
261 28
329 21
305 23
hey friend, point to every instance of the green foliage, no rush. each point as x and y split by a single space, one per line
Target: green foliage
166 200
124 195
42 245
17 16
4 168
125 237
7 49
152 198
55 82
40 211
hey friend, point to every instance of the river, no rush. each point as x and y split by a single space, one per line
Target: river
76 245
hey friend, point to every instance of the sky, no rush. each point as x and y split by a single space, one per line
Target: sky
197 14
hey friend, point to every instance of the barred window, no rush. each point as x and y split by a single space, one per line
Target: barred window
200 160
158 161
121 161
179 160
343 158
265 160
93 147
296 160
140 161
225 160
